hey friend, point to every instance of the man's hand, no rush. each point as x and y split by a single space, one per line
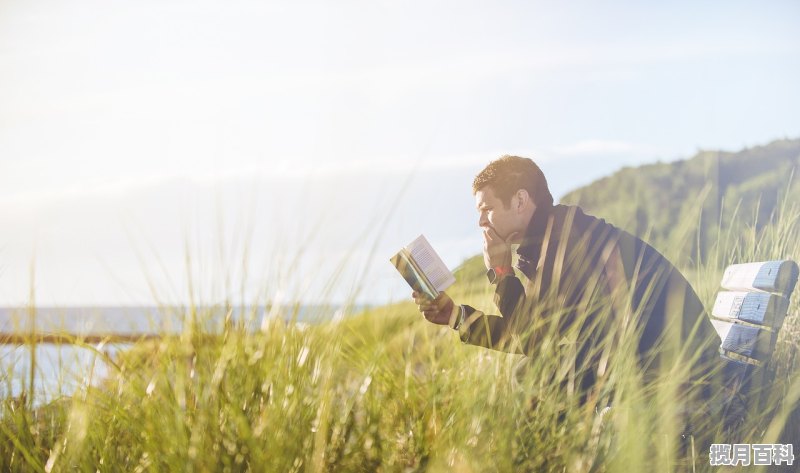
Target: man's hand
441 310
496 250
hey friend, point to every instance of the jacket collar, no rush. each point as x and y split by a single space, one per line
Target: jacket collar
531 244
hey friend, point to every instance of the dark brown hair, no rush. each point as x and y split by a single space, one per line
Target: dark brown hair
508 174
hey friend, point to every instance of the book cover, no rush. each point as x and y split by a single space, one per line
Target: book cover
422 268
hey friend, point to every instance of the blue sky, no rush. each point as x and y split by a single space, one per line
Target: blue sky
134 123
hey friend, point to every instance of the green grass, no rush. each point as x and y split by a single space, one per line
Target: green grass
383 391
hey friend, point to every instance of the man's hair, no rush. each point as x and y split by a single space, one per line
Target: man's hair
508 174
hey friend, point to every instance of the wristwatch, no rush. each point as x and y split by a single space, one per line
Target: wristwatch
460 318
494 275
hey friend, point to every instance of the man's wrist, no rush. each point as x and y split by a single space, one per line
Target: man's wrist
496 274
457 316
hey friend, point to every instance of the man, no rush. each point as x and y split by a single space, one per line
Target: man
581 279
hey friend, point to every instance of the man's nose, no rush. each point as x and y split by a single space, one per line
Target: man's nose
483 221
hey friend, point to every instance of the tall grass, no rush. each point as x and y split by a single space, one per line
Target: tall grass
383 390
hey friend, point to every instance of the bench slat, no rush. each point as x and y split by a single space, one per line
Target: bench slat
745 340
768 276
759 308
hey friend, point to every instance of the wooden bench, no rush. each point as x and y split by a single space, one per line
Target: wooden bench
748 314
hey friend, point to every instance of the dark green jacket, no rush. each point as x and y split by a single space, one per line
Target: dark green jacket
596 286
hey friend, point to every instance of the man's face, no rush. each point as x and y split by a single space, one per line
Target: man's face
505 220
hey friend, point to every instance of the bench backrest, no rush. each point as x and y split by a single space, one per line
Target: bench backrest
748 314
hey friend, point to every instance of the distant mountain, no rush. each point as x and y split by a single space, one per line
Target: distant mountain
681 205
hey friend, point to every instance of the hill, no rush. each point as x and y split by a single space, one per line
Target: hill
683 204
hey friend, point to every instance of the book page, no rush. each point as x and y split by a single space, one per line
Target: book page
431 264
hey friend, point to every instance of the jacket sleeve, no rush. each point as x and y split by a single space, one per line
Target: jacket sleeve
496 331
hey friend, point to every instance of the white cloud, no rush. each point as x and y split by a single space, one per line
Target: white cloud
604 147
296 169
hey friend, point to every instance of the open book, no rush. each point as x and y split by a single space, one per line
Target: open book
422 268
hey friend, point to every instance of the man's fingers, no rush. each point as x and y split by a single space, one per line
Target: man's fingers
433 315
441 301
432 305
419 297
491 234
487 238
431 308
438 311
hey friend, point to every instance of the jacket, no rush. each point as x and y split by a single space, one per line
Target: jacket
595 288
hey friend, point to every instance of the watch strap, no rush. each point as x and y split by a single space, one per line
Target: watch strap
460 318
496 274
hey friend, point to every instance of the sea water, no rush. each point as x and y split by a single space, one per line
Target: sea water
60 369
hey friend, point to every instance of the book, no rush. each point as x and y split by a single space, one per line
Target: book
422 268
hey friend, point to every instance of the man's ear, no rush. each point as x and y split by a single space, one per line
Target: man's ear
522 197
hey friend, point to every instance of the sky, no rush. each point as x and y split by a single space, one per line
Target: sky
161 151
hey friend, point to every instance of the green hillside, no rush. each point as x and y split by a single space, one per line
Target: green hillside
682 204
